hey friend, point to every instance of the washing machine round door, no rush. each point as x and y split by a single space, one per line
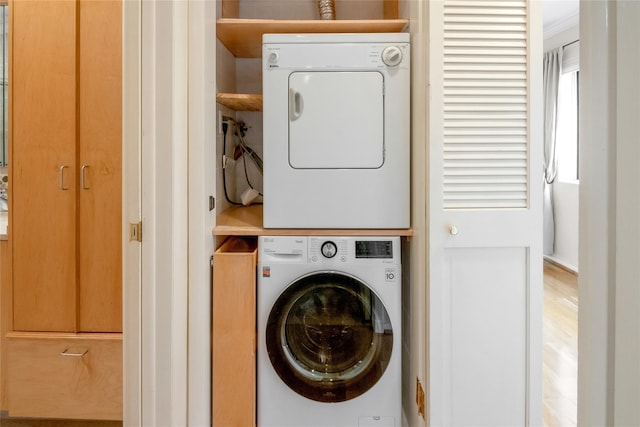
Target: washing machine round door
329 337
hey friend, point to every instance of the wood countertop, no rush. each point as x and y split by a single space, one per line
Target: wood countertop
247 221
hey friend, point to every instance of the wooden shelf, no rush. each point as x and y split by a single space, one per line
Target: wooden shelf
247 221
243 37
240 101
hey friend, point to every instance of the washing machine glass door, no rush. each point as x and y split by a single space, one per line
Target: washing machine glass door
336 120
329 337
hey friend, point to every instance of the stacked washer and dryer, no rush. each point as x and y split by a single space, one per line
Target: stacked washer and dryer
336 156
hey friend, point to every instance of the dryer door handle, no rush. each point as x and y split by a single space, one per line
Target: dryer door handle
296 105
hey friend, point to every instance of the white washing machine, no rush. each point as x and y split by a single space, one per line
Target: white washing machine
329 332
336 130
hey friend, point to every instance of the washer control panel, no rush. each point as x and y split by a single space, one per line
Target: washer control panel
329 249
338 250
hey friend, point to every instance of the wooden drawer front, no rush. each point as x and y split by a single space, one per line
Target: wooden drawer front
44 383
234 334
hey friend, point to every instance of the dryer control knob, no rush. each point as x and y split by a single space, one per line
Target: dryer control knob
392 56
329 249
273 57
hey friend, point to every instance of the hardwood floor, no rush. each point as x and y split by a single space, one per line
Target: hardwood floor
560 336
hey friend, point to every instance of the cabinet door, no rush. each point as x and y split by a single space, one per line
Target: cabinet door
484 214
43 164
233 354
100 148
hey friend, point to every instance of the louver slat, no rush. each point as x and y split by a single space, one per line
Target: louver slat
485 104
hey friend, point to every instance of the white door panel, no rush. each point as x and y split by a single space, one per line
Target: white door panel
485 228
486 337
485 214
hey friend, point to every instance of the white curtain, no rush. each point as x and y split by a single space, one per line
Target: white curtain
551 77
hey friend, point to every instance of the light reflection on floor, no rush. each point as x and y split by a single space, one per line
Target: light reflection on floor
560 335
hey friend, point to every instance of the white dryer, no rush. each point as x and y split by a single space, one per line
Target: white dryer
329 332
336 130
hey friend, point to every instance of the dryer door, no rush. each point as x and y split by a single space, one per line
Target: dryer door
336 120
329 337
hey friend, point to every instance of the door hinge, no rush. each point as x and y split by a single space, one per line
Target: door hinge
420 398
135 232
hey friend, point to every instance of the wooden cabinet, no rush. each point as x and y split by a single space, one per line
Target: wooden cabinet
42 162
100 153
65 224
65 376
234 333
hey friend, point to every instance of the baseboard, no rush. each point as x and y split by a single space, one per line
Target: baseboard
561 266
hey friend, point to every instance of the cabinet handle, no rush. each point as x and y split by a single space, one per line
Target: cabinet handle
62 187
82 177
67 353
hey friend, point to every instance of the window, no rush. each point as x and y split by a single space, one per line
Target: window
567 129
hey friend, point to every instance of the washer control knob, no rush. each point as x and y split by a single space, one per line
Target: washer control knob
273 57
392 56
329 249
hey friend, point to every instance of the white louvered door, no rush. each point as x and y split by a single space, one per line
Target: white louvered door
485 216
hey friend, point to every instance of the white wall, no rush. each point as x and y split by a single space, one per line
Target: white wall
249 80
565 194
566 207
554 40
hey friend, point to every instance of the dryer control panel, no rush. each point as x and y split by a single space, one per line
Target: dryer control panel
335 57
335 51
